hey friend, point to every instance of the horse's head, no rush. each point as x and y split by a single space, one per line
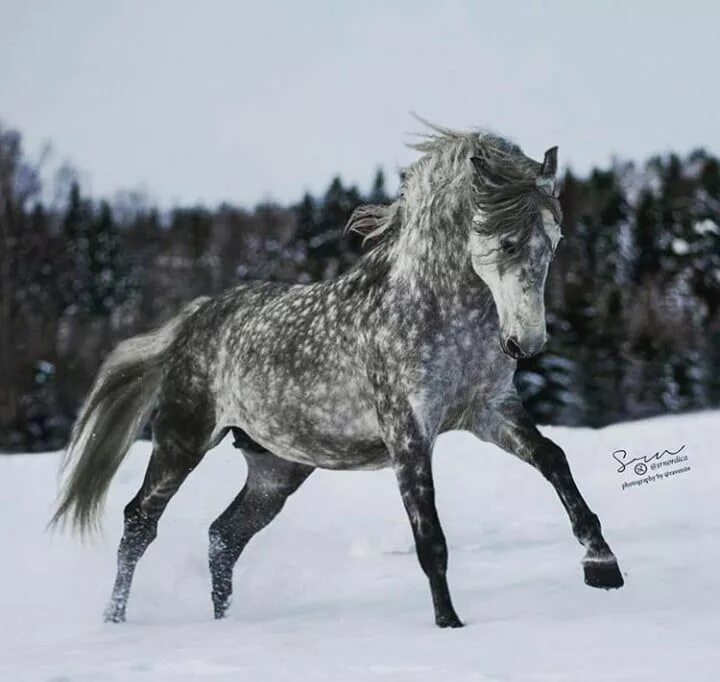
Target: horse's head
515 230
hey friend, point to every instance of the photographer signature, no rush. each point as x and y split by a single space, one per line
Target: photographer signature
640 468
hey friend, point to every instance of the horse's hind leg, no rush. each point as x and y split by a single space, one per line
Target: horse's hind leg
180 444
270 481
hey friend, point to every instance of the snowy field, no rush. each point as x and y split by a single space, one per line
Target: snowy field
332 590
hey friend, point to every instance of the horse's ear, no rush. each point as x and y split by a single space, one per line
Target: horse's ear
549 165
484 171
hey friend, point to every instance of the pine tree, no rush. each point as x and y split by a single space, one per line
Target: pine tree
378 194
646 231
108 284
328 246
307 218
76 237
98 276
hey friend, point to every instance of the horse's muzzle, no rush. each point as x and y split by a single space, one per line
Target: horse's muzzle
519 350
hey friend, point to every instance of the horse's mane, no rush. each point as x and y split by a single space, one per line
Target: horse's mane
375 221
506 192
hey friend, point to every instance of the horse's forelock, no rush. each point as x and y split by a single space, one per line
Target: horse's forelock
513 210
509 196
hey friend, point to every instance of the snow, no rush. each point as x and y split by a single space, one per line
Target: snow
680 247
706 226
332 589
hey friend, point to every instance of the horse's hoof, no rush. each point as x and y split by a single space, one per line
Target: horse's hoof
605 574
114 617
449 620
220 611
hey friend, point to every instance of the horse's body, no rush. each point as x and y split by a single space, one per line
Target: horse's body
361 372
302 387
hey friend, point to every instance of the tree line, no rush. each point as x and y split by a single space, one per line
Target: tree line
633 296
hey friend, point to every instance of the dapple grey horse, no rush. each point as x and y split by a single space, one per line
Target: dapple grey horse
361 372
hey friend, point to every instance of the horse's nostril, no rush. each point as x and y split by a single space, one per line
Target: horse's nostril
513 348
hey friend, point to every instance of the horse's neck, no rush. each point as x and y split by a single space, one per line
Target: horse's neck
445 285
426 261
430 255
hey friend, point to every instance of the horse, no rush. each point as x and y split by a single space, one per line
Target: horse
363 371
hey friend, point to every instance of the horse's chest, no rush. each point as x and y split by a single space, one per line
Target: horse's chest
490 371
470 354
465 367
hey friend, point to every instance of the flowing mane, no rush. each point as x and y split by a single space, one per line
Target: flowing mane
506 191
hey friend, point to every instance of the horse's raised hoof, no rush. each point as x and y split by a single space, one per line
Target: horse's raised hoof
603 573
449 620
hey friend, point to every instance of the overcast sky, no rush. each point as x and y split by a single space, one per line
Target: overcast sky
246 101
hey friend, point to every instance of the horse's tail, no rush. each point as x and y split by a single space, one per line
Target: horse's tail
120 402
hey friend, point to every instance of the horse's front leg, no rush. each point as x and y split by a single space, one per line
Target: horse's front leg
410 447
506 423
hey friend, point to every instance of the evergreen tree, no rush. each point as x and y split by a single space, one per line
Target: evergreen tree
98 277
378 194
307 218
76 238
307 229
108 284
646 236
329 251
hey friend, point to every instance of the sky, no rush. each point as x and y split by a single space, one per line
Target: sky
253 101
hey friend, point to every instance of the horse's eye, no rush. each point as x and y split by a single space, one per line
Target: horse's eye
508 247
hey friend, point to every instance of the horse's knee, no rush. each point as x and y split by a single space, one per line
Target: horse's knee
550 459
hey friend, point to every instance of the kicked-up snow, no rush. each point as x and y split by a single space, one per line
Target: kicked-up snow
332 590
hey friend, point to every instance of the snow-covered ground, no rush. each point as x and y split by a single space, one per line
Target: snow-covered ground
332 589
